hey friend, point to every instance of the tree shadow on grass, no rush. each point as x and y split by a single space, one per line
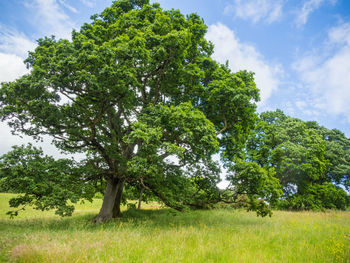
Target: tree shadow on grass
136 219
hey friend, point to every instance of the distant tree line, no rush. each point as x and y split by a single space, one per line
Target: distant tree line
311 162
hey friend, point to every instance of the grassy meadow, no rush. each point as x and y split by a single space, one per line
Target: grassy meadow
157 234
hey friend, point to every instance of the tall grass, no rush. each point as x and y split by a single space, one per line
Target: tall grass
163 235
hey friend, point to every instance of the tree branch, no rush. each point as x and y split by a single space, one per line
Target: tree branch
225 126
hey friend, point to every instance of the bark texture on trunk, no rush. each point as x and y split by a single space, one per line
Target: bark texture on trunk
118 199
106 211
140 198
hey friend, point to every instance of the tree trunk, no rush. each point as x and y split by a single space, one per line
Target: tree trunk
118 199
140 198
106 211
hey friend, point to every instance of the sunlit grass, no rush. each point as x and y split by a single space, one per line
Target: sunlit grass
29 212
164 235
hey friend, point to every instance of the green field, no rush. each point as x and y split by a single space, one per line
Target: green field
162 235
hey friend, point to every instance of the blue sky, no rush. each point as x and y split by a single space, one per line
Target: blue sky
299 50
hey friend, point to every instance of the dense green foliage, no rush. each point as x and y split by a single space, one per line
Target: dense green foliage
45 183
310 161
337 153
259 184
137 92
317 197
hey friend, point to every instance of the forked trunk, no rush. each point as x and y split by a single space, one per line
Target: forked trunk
118 199
109 201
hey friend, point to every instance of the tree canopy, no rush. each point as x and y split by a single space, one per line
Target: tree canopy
137 92
311 162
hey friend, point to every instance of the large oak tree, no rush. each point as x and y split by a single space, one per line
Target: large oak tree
137 92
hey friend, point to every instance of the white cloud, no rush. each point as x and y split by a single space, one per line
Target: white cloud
301 105
243 56
69 7
256 10
14 47
305 104
9 140
308 7
51 19
11 67
13 42
327 77
340 34
88 3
